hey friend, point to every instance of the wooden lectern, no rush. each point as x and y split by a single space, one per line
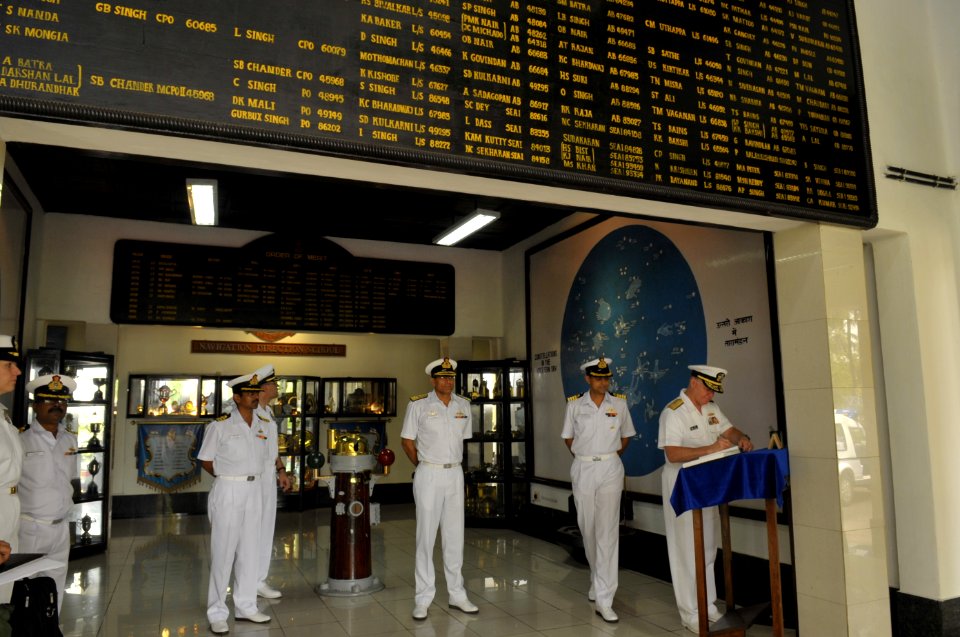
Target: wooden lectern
746 476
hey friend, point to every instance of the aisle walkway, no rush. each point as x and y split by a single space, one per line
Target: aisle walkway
153 582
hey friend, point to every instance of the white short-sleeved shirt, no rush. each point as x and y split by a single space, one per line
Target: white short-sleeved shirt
438 429
681 425
49 464
263 414
235 448
597 430
11 454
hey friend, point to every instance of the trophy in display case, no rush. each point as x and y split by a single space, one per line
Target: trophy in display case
163 395
93 491
85 523
98 395
487 500
94 442
519 388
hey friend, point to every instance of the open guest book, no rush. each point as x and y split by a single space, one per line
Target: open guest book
22 565
716 455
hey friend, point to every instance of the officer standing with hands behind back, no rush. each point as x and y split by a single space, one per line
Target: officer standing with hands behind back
271 465
597 428
692 426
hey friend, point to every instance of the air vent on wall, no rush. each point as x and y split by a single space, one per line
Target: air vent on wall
924 179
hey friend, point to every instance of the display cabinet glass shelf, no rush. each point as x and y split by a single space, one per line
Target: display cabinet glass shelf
495 459
90 417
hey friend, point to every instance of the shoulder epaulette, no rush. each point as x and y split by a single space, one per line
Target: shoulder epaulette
223 417
262 417
419 396
466 398
620 396
675 404
570 399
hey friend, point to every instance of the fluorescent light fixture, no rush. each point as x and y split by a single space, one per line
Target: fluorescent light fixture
202 197
466 227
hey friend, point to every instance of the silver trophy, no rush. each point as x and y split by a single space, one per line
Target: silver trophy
94 442
85 523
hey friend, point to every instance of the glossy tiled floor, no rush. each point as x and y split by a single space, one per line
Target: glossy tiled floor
153 582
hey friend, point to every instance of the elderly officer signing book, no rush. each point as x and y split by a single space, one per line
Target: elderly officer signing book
692 426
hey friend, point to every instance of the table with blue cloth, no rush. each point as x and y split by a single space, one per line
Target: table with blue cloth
759 474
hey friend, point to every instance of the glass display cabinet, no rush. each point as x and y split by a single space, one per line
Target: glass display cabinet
361 406
495 460
89 417
171 396
359 397
299 437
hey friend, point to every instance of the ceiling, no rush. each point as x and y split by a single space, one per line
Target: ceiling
68 180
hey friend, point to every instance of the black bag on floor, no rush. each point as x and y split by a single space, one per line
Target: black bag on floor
34 603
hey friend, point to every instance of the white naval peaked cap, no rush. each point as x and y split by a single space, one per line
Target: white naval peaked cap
55 386
711 376
245 383
265 374
598 367
441 367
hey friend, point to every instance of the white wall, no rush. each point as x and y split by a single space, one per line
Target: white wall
909 54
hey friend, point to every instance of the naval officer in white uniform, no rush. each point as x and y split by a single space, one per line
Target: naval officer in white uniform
597 428
233 450
11 458
692 426
49 466
268 486
434 428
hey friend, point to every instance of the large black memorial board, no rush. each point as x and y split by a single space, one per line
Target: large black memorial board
754 105
270 288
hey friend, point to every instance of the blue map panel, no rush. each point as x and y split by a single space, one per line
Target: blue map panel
635 300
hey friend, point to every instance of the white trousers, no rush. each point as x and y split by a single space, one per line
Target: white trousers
234 510
53 540
438 494
596 493
268 522
683 560
9 525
